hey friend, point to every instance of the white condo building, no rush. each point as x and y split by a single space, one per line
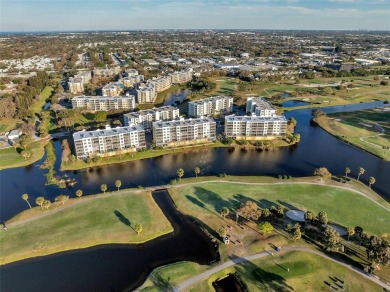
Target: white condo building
146 118
109 141
104 103
146 93
182 76
210 106
184 132
259 107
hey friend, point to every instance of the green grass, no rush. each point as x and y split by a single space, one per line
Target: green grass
89 223
204 201
351 126
307 272
10 157
38 105
7 125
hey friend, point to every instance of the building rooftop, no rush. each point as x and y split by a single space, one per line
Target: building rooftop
260 103
106 132
200 101
181 123
151 111
98 97
234 118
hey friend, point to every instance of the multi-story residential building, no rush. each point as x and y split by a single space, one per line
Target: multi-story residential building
113 89
106 72
146 118
210 106
76 83
255 127
260 107
184 132
145 93
181 77
104 103
161 83
109 141
130 81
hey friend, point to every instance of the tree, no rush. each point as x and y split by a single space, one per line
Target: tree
297 233
25 197
296 138
347 171
266 212
103 188
62 199
309 216
100 116
322 172
79 193
330 237
350 231
371 181
118 183
360 171
197 171
249 210
46 204
378 250
322 217
138 228
265 227
25 154
224 212
39 201
180 173
222 232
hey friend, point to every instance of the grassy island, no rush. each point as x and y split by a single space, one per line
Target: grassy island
81 223
367 129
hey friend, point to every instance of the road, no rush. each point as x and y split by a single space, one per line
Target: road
191 281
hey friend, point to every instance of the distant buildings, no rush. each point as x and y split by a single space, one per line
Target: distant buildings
255 127
76 83
210 106
104 103
184 132
113 89
259 107
161 83
109 141
130 81
106 72
146 93
150 62
146 118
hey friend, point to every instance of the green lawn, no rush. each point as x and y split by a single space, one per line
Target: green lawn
204 201
352 126
10 158
8 124
37 106
102 220
307 272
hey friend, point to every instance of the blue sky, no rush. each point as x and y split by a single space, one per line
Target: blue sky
31 15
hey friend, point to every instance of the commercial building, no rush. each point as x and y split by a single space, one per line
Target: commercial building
113 89
210 106
145 93
109 141
255 127
104 103
259 107
181 77
184 132
161 83
146 118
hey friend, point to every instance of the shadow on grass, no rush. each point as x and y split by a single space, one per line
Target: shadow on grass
160 283
122 218
264 281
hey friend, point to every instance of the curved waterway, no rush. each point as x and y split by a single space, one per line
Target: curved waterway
113 267
317 148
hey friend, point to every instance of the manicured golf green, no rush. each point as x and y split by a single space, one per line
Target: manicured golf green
109 219
342 206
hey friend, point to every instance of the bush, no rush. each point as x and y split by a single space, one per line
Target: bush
280 176
284 176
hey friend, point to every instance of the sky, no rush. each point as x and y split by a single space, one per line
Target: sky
68 15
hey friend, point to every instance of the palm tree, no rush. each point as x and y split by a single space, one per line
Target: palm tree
103 188
79 193
47 204
347 171
138 228
39 201
371 181
360 171
118 184
25 197
197 171
180 173
224 212
350 231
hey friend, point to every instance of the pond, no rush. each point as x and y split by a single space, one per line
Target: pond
176 97
292 103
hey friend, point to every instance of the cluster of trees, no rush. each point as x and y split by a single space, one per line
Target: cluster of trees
43 203
360 171
201 84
